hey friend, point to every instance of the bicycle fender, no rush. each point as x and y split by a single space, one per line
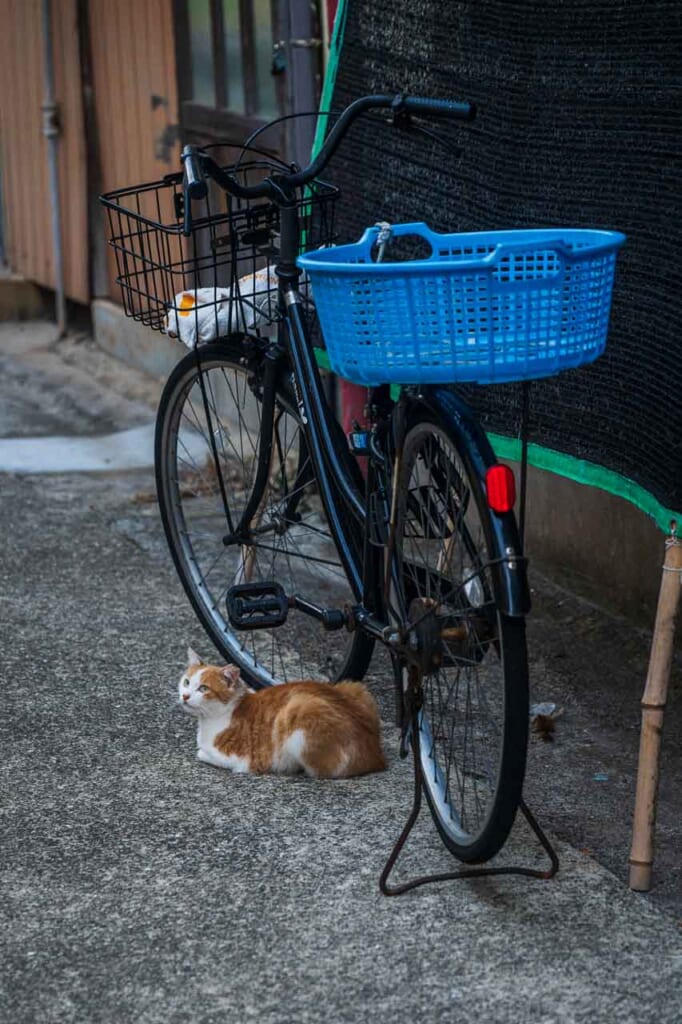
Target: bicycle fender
509 572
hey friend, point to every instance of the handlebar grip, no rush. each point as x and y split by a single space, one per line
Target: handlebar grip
439 108
195 182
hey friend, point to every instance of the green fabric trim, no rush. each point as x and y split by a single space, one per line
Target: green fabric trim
587 473
322 359
330 76
321 129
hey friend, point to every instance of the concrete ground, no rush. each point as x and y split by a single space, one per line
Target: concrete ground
137 885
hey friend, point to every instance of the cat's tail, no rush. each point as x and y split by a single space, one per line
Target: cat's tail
358 696
368 755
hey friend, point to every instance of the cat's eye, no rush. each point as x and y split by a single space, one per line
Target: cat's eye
202 689
185 682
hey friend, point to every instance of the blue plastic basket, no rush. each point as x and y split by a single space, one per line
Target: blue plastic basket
487 307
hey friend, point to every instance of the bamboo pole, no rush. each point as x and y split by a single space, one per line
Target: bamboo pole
653 707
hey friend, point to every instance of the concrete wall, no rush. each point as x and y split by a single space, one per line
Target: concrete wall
595 544
129 341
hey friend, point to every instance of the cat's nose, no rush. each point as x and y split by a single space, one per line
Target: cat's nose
185 696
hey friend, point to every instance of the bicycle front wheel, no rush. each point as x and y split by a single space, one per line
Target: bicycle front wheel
207 443
473 727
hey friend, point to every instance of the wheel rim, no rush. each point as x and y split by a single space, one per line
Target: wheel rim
444 559
301 555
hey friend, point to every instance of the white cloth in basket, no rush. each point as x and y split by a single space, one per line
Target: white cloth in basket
202 314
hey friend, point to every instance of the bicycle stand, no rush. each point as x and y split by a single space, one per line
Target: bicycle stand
414 694
414 883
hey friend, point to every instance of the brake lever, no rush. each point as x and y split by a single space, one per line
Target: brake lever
402 120
400 116
456 151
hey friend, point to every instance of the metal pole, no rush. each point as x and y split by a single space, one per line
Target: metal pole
51 131
525 418
301 53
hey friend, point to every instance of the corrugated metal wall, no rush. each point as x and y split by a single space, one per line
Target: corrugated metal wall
135 118
135 91
28 232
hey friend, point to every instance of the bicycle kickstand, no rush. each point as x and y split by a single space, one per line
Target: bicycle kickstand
413 705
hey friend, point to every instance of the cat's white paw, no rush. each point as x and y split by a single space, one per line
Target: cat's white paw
239 765
218 760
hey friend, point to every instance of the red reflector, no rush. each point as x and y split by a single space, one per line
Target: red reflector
501 488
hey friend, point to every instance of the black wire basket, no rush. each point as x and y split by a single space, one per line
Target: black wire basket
219 279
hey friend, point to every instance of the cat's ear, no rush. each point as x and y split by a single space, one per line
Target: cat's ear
231 673
192 658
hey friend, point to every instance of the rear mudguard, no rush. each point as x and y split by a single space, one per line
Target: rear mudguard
510 579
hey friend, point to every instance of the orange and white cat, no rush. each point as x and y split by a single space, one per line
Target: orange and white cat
328 732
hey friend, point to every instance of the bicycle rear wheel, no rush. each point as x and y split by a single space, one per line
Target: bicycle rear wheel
211 407
474 721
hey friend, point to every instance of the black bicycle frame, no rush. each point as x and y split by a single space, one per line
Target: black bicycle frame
345 507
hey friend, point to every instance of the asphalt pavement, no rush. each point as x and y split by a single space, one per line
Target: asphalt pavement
138 885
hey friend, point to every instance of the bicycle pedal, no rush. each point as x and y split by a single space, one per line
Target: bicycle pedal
257 605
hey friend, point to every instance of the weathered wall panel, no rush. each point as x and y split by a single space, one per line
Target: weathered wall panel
135 94
23 147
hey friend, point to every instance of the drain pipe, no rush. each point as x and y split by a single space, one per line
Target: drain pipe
52 131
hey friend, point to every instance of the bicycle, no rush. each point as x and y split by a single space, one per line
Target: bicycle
268 517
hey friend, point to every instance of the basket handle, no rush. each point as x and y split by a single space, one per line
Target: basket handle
436 240
608 242
503 249
369 238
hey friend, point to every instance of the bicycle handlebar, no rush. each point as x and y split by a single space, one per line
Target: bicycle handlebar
399 105
198 165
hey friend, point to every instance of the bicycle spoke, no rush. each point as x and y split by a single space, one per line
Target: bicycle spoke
444 562
290 542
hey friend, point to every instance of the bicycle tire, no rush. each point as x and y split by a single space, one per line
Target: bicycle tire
478 695
189 489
